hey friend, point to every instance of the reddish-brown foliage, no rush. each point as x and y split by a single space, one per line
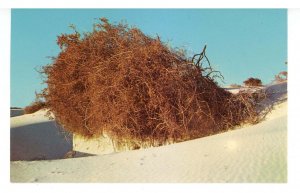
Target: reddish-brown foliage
34 107
235 86
253 82
118 81
281 77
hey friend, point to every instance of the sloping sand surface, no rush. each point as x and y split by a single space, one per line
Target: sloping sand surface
16 112
256 153
34 137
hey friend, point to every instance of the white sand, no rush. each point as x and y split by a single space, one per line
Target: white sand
34 136
256 153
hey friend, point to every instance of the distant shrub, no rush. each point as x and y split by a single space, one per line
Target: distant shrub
235 86
15 108
281 77
119 82
253 82
34 107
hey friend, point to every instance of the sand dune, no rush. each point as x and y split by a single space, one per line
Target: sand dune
255 153
16 112
34 136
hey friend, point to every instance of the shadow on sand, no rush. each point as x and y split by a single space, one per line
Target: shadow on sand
39 141
16 112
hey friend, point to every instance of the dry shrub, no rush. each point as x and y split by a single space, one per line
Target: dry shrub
281 77
15 108
253 82
235 86
34 107
119 82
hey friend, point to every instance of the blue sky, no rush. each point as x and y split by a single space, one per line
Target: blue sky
240 42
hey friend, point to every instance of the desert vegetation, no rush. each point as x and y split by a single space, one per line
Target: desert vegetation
118 81
36 105
15 108
281 77
253 82
235 86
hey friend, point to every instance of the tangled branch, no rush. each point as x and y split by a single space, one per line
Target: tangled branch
119 82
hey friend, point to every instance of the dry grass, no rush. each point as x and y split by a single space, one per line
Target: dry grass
118 81
281 77
34 107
